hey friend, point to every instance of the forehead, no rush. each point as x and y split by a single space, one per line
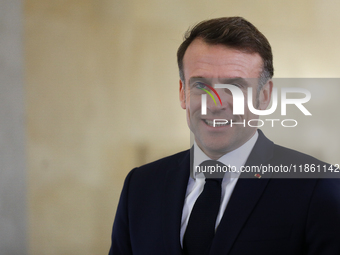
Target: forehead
214 61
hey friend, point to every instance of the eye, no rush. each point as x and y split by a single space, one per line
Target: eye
200 85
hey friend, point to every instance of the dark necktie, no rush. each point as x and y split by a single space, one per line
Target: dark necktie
201 226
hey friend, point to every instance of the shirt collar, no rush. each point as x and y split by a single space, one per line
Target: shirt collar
234 159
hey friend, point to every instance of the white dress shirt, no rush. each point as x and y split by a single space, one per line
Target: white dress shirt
235 159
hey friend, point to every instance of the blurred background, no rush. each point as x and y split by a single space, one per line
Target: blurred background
89 90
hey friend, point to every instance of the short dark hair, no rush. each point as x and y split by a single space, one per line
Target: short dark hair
233 32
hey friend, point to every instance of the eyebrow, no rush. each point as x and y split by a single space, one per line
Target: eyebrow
240 80
199 78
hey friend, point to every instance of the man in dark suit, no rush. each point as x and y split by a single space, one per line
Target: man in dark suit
168 208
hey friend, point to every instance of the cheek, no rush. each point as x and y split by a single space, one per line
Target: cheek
194 103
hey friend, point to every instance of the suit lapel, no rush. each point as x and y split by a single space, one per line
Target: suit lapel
174 194
246 194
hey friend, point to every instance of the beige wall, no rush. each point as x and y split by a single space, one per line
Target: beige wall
102 97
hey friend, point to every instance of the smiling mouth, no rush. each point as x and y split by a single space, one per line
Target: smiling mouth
217 123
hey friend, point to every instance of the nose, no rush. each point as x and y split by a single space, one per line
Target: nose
218 101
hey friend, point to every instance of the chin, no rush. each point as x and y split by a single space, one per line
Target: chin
216 147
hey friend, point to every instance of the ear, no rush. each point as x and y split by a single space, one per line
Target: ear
265 95
182 98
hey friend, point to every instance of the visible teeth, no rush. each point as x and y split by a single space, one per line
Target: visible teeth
209 122
217 124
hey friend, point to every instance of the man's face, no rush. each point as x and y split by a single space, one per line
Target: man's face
213 64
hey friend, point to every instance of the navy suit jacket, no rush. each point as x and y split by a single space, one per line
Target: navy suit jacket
264 215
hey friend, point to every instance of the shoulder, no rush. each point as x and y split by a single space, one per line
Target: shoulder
293 156
160 167
289 163
172 159
300 165
267 150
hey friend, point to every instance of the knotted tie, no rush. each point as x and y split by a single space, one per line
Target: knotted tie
201 226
